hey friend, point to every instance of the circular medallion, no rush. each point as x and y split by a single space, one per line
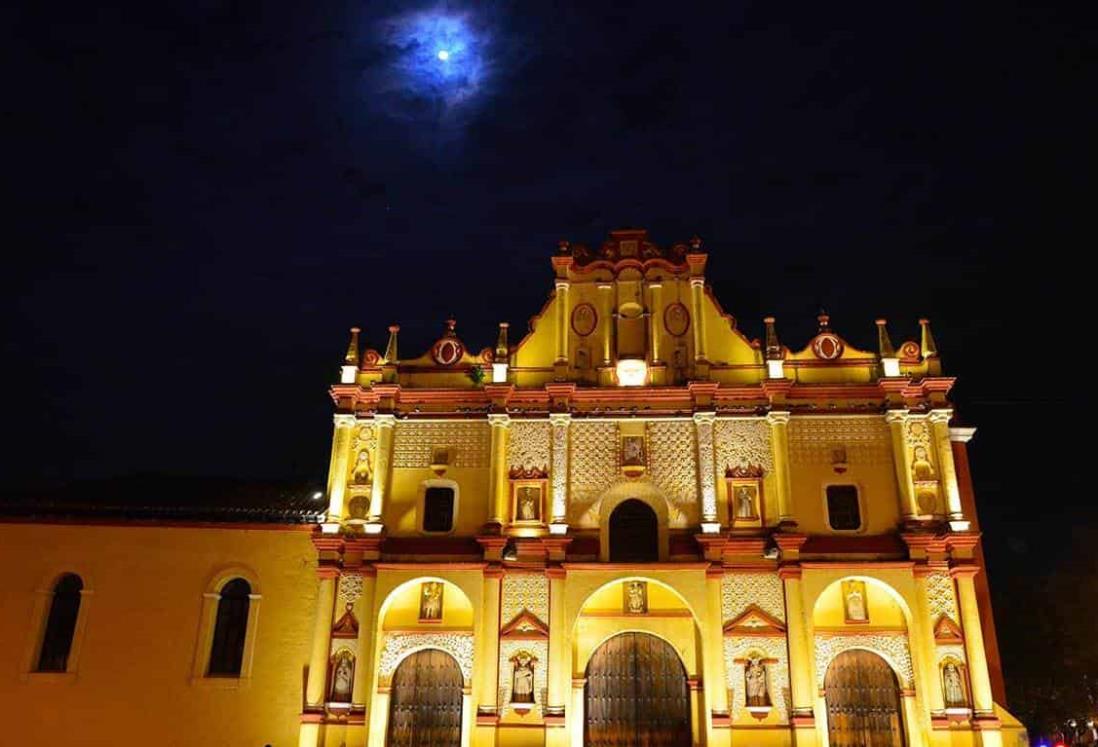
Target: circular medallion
676 319
909 351
827 346
447 351
584 319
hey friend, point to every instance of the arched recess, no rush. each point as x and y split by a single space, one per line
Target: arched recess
646 493
602 615
403 632
863 700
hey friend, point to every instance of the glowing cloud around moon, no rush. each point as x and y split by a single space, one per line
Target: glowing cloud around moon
436 55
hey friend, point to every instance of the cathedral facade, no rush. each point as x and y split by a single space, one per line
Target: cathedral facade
632 525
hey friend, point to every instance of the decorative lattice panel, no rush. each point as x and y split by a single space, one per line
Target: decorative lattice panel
470 443
529 591
399 645
940 594
595 465
740 590
672 466
350 587
890 646
743 443
528 448
813 440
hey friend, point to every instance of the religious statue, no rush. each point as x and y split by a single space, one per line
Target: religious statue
343 678
632 451
528 500
363 473
954 689
755 680
430 601
636 598
745 502
522 678
855 602
921 468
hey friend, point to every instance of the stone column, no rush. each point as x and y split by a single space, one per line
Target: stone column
489 675
383 470
939 423
779 449
560 662
498 487
896 420
322 631
364 613
698 721
339 466
982 702
562 321
715 678
924 649
559 423
707 488
800 658
697 289
606 295
655 321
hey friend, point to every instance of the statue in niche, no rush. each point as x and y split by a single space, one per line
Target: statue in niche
755 684
636 597
522 678
632 451
343 677
745 502
430 601
357 507
921 468
854 601
954 688
363 474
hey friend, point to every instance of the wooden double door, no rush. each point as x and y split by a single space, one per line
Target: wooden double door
425 702
636 694
863 702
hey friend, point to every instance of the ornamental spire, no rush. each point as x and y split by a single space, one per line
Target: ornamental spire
884 343
930 348
773 345
502 351
351 358
391 349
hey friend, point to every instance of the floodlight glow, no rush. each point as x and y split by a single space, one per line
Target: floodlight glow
632 372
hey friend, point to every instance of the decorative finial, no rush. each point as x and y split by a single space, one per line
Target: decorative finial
391 348
824 320
773 346
695 243
930 348
450 324
351 358
502 350
563 246
884 343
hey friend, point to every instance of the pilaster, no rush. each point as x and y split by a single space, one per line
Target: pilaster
896 420
383 469
707 488
939 423
339 466
498 488
559 424
779 447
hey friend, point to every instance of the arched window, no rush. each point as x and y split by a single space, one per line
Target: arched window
60 624
634 533
227 651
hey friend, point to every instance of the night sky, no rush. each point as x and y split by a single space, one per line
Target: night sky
208 194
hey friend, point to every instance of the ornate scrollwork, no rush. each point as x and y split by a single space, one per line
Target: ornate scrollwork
741 590
470 441
399 645
892 647
865 440
744 444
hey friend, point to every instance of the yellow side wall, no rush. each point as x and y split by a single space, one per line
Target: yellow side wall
133 682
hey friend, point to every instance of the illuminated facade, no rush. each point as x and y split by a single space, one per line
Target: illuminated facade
634 520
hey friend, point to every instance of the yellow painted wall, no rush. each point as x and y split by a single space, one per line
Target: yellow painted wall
402 510
135 663
880 501
403 611
881 606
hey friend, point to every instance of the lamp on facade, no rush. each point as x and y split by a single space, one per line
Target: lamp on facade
632 372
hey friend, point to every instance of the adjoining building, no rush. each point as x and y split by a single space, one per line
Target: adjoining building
632 526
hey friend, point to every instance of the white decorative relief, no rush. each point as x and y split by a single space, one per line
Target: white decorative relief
672 467
814 440
892 647
399 645
529 591
951 651
740 590
743 443
595 466
528 448
470 442
777 673
941 596
703 424
507 650
350 587
561 425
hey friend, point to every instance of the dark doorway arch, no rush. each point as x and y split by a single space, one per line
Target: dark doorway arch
425 701
634 533
863 702
636 694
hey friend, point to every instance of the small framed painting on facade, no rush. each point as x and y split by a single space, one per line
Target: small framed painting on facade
430 602
527 501
745 502
855 603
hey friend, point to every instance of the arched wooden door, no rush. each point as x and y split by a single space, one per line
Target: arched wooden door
425 701
863 702
636 694
634 533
